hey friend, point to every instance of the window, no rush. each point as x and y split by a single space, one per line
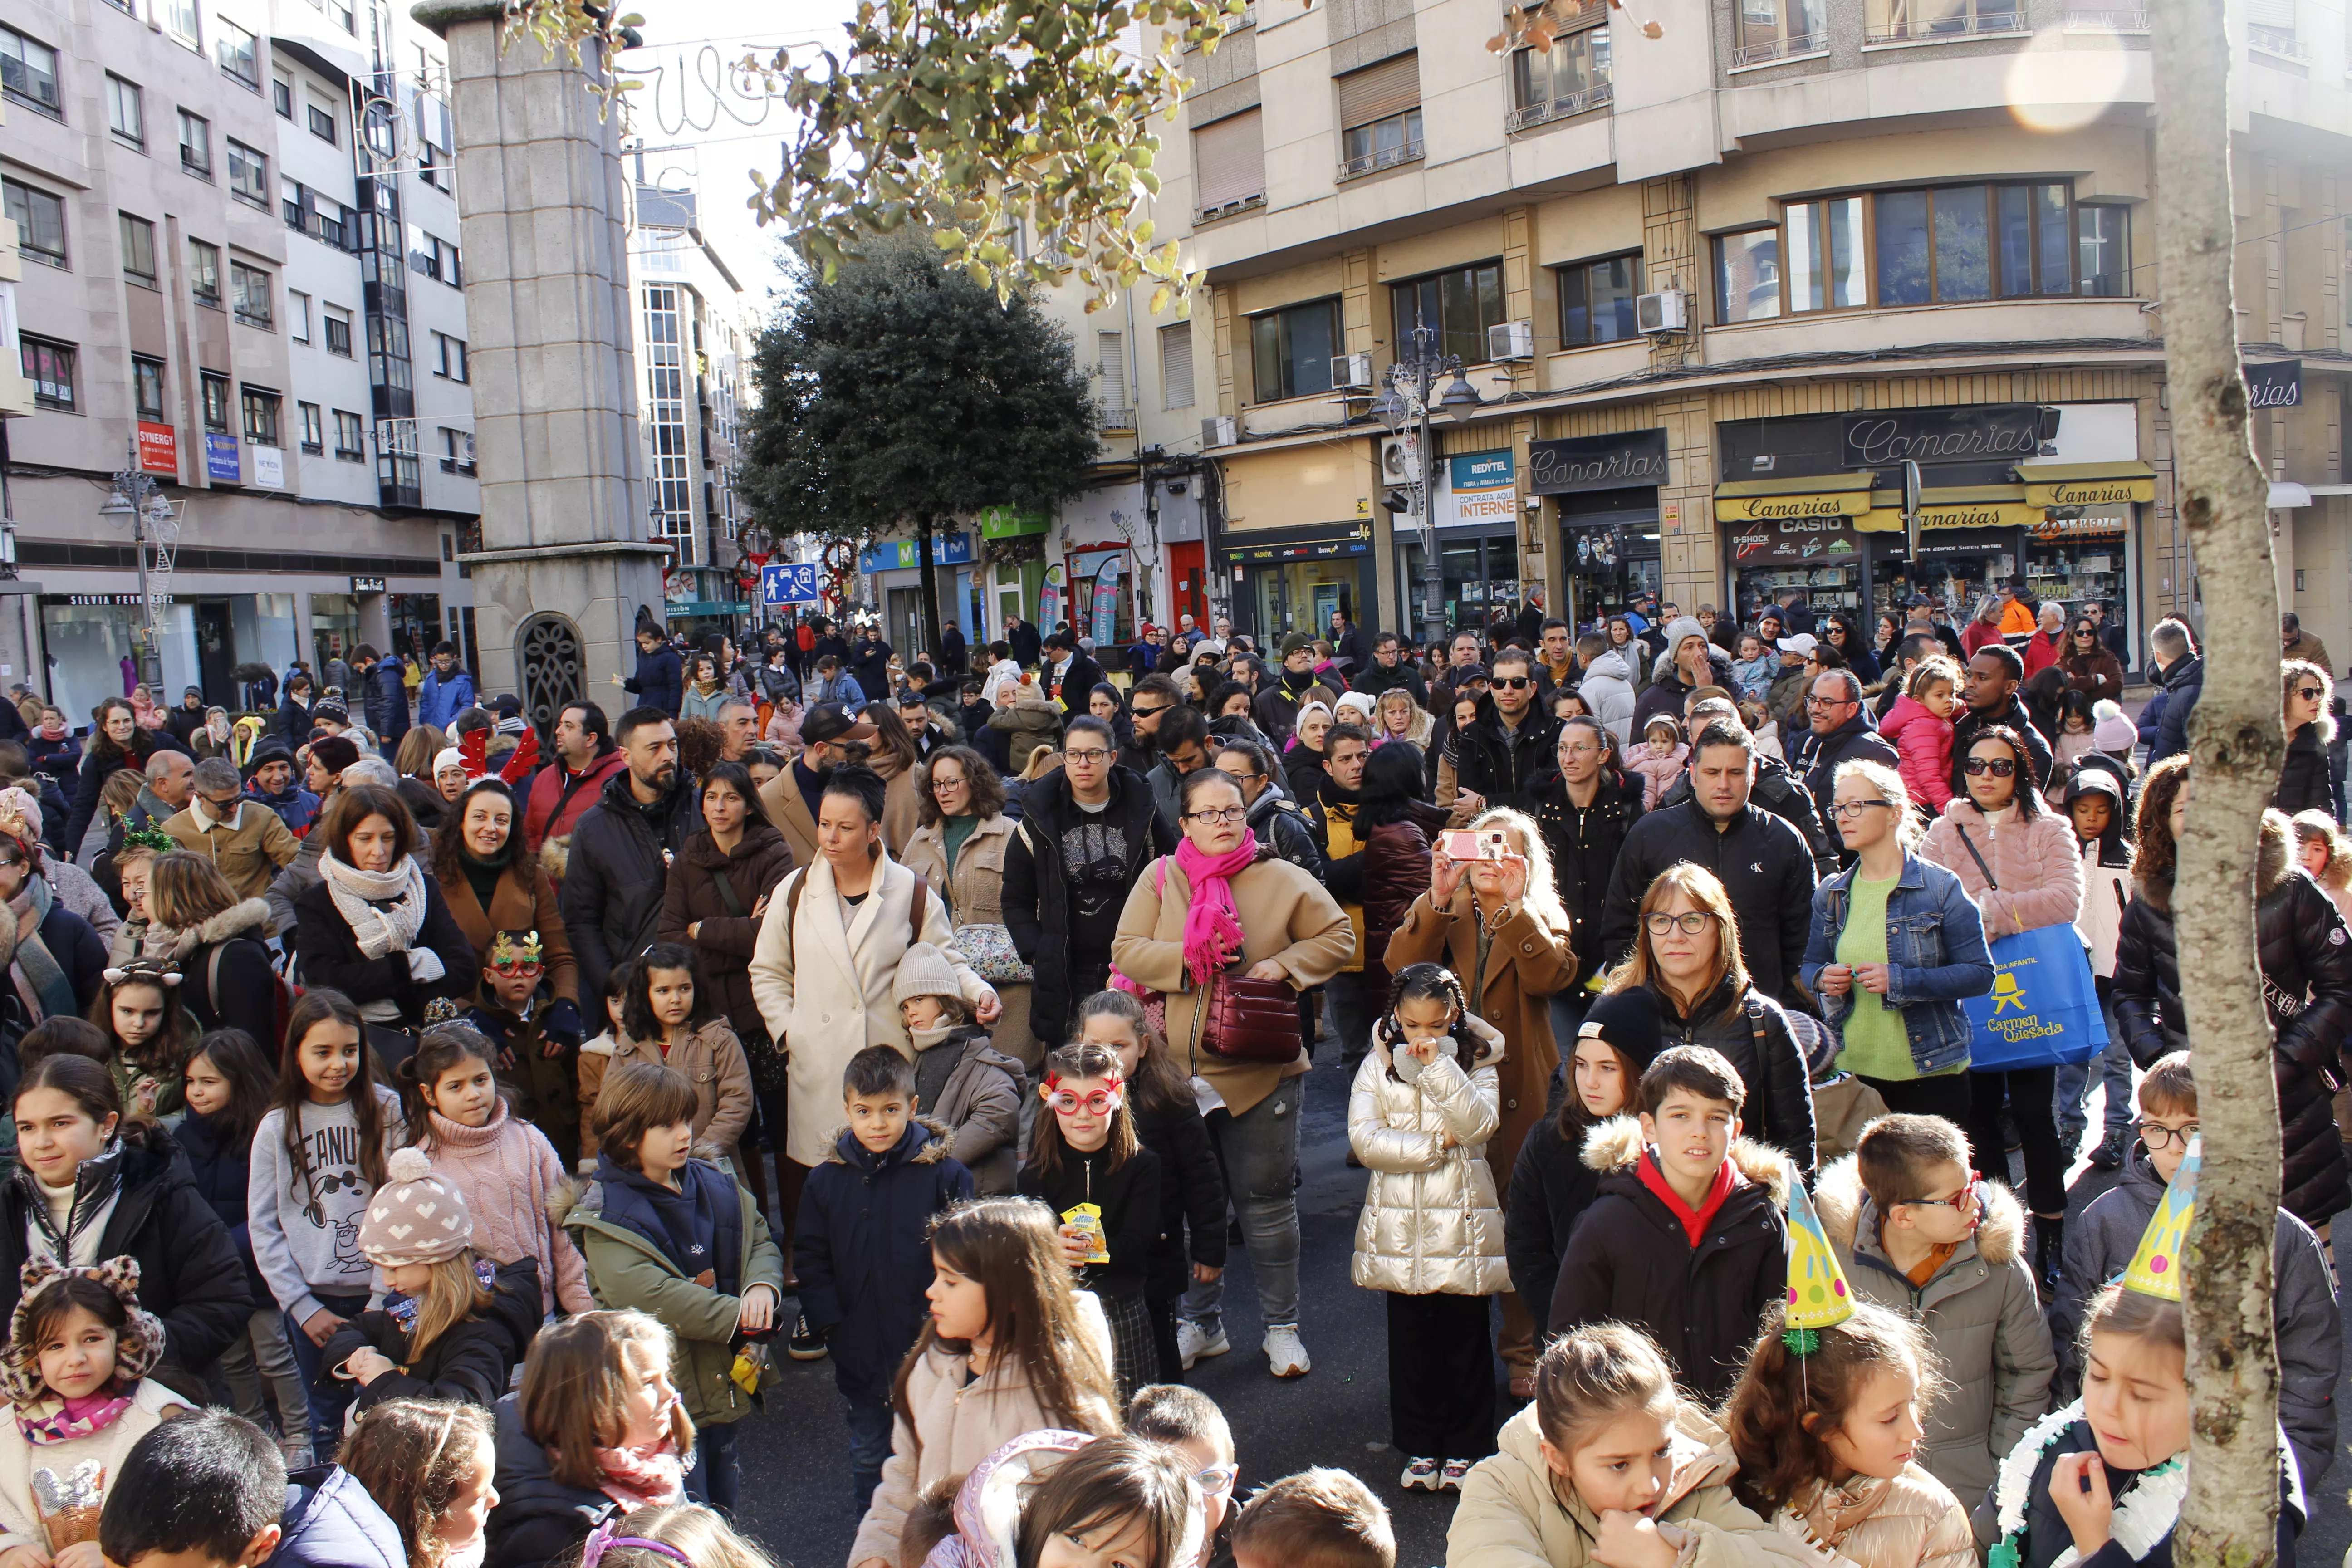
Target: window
215 403
50 368
2103 241
345 19
1569 77
203 273
281 97
314 428
1379 116
181 15
1826 270
2270 25
436 258
2036 246
1459 306
249 174
456 451
1229 164
249 288
40 221
238 55
1291 350
28 73
1916 21
452 353
196 144
1596 301
298 316
322 122
1176 365
147 388
137 250
1778 30
349 440
1747 276
338 332
126 115
261 417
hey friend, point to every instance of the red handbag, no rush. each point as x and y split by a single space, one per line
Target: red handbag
1254 1021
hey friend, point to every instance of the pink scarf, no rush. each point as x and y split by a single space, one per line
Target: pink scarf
636 1478
64 1421
1212 926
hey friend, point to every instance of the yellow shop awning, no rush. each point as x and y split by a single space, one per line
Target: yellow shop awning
1814 495
2087 484
1971 506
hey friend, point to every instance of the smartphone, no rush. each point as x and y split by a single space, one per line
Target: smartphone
1468 844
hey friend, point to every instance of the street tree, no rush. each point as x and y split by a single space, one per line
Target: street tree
904 391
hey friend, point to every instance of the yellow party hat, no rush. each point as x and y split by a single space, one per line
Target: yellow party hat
2155 1267
1818 1296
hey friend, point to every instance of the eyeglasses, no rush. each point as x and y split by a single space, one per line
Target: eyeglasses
1095 1102
2157 1136
1829 701
946 782
1999 767
1968 1197
1217 1480
1219 814
1089 756
1241 774
2311 694
1856 807
1692 923
1511 682
518 971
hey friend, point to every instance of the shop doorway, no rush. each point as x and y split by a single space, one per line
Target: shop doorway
1188 586
215 659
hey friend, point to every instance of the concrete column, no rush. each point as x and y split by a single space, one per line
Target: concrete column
554 371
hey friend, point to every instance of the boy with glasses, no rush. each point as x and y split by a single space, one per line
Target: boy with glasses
1918 1231
2303 1304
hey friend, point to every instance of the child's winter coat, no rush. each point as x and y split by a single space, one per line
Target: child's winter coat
468 1363
2106 873
861 1248
1191 1194
1659 770
222 1169
1980 1310
1430 1223
1551 1186
515 1188
538 1519
1129 1197
974 1091
1754 676
1514 1510
1632 1259
1923 749
330 1521
1912 1521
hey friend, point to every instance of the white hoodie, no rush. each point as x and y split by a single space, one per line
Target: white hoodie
1608 692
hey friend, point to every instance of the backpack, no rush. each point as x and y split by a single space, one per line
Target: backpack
283 991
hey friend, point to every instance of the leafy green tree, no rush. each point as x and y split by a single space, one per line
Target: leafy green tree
902 391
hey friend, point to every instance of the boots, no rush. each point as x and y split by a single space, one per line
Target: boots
2049 1255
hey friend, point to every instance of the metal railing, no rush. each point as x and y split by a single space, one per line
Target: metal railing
1372 162
2134 21
1788 48
1228 209
2277 41
1937 30
1600 95
1113 414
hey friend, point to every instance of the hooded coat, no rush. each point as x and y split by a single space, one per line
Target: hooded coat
1608 692
468 1362
660 680
1277 821
977 1102
230 945
1429 1223
1980 1310
1751 1032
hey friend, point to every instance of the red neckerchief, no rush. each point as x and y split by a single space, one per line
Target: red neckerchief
1727 1180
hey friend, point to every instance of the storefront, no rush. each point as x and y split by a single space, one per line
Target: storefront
1293 580
334 627
1294 541
895 568
1607 490
1795 534
1102 595
416 620
1477 543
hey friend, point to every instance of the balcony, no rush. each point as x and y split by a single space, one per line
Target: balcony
1796 46
2280 41
1373 162
1944 30
2117 22
1600 95
1229 209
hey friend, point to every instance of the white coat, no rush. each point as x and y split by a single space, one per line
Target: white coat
1430 1224
824 975
20 1517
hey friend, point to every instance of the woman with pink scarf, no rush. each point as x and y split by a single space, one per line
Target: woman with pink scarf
1223 903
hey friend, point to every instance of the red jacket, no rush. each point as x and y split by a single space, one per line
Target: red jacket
540 820
2041 651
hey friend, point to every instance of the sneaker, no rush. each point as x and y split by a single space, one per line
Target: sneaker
807 1343
1419 1474
1194 1342
2112 1149
1283 1351
1450 1478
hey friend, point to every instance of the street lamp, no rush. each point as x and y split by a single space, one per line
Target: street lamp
1407 399
138 497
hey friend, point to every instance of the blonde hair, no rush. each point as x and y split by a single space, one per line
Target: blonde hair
1543 896
1702 888
1908 828
452 1294
706 1538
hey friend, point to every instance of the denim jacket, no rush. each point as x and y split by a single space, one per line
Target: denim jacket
1936 954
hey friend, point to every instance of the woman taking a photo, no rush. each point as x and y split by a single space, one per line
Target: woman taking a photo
959 851
1223 903
1498 925
1897 944
375 927
2020 862
2304 783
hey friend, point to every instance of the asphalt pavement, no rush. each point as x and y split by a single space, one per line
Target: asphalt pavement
795 1464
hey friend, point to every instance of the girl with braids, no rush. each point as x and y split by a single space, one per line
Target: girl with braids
1430 1235
428 1465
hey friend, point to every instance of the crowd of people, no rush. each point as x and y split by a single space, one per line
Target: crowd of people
422 1146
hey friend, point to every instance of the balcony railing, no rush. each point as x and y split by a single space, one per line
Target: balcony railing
1939 29
1227 209
1788 48
1385 158
1600 95
2277 41
1113 414
2133 21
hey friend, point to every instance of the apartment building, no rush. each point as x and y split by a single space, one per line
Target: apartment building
1689 301
237 223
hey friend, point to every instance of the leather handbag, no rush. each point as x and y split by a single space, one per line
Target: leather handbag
1254 1021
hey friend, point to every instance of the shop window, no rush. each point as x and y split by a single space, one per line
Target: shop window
40 221
28 73
1826 270
137 250
50 367
1928 21
147 389
261 409
1596 301
1747 276
195 145
203 273
216 388
126 111
1458 306
1569 77
1291 350
2102 248
1778 30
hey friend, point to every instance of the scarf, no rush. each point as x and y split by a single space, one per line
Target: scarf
51 730
385 911
1695 1221
642 1478
70 1420
40 980
1212 926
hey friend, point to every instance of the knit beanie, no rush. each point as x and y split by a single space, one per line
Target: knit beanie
2110 730
335 753
415 1216
1682 626
448 757
1627 1019
925 971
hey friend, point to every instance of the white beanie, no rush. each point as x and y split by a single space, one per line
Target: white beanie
450 758
925 971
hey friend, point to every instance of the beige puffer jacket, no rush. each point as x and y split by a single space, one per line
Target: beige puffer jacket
1430 1224
1871 1523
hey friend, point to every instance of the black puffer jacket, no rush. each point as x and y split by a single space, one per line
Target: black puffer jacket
1583 842
1551 1186
470 1364
2304 783
1763 862
539 1519
1502 766
2305 952
611 897
1784 794
1191 1187
1780 1109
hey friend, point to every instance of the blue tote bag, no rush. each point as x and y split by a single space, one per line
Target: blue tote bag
2043 1008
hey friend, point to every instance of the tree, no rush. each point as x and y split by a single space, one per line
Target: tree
903 391
2230 1517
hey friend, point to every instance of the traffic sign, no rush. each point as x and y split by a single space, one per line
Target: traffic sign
788 583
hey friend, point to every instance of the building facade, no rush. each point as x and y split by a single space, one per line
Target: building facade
238 224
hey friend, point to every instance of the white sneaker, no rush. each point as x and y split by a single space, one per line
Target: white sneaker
1196 1343
1286 1353
1450 1479
1419 1474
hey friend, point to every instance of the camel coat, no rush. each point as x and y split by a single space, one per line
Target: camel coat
710 1057
781 798
901 810
1286 915
824 975
974 889
512 909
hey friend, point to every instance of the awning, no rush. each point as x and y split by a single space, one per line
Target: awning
1966 506
2087 484
2286 494
1817 495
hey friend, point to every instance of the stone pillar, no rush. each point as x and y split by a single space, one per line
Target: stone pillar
565 563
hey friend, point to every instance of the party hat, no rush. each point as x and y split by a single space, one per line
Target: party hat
1818 1296
2155 1267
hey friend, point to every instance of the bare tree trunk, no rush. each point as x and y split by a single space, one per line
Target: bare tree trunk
2230 1517
926 529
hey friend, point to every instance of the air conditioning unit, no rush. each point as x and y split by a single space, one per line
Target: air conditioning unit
1668 311
1509 342
1351 373
1400 460
1219 430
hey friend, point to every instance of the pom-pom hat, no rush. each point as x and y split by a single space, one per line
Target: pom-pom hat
415 1216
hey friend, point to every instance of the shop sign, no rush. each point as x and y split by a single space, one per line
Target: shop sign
2087 484
1326 549
1481 471
2089 525
367 585
221 460
127 600
270 467
1635 459
1482 489
1004 522
2276 383
898 554
1787 539
1764 500
1973 433
158 449
2002 506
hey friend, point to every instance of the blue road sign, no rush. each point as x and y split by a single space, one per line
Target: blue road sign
788 583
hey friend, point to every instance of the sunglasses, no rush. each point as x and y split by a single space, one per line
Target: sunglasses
1147 712
2311 694
1999 767
1512 682
1096 1102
